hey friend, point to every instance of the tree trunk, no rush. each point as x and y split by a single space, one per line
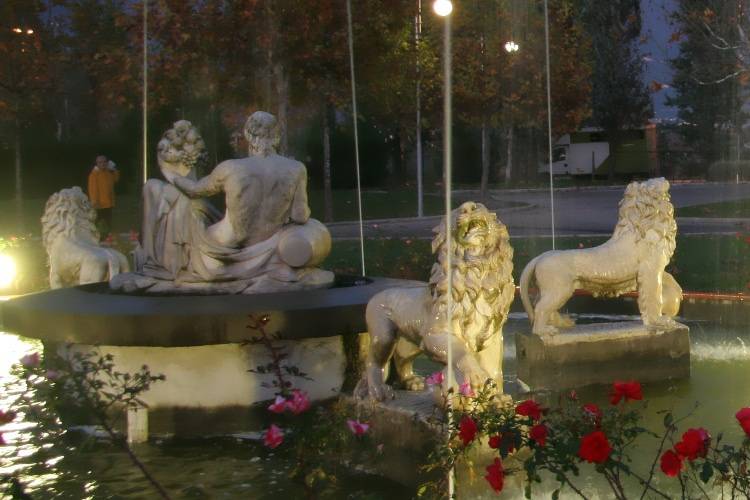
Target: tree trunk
282 91
485 162
327 192
509 156
19 180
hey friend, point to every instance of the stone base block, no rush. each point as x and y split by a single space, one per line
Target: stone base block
217 376
601 353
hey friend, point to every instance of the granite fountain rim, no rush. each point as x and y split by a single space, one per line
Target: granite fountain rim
91 314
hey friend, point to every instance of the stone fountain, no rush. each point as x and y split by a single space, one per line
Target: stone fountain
199 273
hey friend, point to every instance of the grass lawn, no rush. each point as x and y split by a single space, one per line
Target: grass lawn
127 214
737 208
701 263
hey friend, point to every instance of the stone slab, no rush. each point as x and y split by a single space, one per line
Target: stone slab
92 314
600 353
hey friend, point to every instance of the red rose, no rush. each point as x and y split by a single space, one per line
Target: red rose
539 433
593 410
627 390
743 417
495 475
694 444
467 430
499 441
595 448
495 441
529 408
671 463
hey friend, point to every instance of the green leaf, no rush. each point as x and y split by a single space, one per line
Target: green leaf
668 420
706 472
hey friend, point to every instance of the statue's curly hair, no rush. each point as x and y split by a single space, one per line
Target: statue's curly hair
67 211
482 274
646 206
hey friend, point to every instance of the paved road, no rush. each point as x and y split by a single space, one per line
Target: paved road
577 211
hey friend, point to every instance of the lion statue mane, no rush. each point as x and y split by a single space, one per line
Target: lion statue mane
72 242
405 321
633 259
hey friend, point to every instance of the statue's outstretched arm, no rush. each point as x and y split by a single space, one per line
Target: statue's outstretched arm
207 186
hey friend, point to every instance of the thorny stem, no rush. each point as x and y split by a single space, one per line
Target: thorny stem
258 324
669 432
697 483
102 418
567 481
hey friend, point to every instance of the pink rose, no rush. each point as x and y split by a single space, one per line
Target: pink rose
278 406
299 403
273 437
358 428
436 378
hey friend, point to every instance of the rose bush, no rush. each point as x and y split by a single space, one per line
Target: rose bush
561 440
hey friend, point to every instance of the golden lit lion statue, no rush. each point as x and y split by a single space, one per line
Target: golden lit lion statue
633 259
72 242
410 320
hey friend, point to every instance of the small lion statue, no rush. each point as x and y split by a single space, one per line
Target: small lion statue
411 320
633 259
72 242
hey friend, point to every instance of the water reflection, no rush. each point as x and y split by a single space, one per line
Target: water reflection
83 467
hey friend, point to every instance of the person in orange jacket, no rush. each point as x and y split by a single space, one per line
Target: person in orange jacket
101 191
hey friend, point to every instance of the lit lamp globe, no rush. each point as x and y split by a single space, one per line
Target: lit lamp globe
442 7
511 46
7 271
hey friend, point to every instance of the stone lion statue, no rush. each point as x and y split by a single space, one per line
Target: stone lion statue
411 320
72 242
633 259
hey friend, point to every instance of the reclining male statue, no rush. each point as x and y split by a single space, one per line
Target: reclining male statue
265 241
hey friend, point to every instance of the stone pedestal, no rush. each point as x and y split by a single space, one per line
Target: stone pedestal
219 376
601 353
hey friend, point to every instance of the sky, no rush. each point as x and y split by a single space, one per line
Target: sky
657 51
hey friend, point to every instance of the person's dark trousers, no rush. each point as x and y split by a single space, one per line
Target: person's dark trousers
104 221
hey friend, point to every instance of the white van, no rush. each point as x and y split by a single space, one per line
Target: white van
578 158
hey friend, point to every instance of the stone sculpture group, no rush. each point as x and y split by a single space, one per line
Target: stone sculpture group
265 241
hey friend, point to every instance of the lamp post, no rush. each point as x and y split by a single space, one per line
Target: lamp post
23 33
443 8
417 37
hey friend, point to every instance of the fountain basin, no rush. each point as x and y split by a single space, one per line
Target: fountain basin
201 343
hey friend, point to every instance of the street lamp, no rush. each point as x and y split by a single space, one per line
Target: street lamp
511 46
442 7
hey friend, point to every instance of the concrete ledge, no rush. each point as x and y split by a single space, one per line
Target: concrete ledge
600 353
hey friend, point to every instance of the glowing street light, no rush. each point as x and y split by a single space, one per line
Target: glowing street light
29 32
511 47
17 30
7 271
442 7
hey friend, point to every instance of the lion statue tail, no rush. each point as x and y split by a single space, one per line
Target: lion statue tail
523 284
